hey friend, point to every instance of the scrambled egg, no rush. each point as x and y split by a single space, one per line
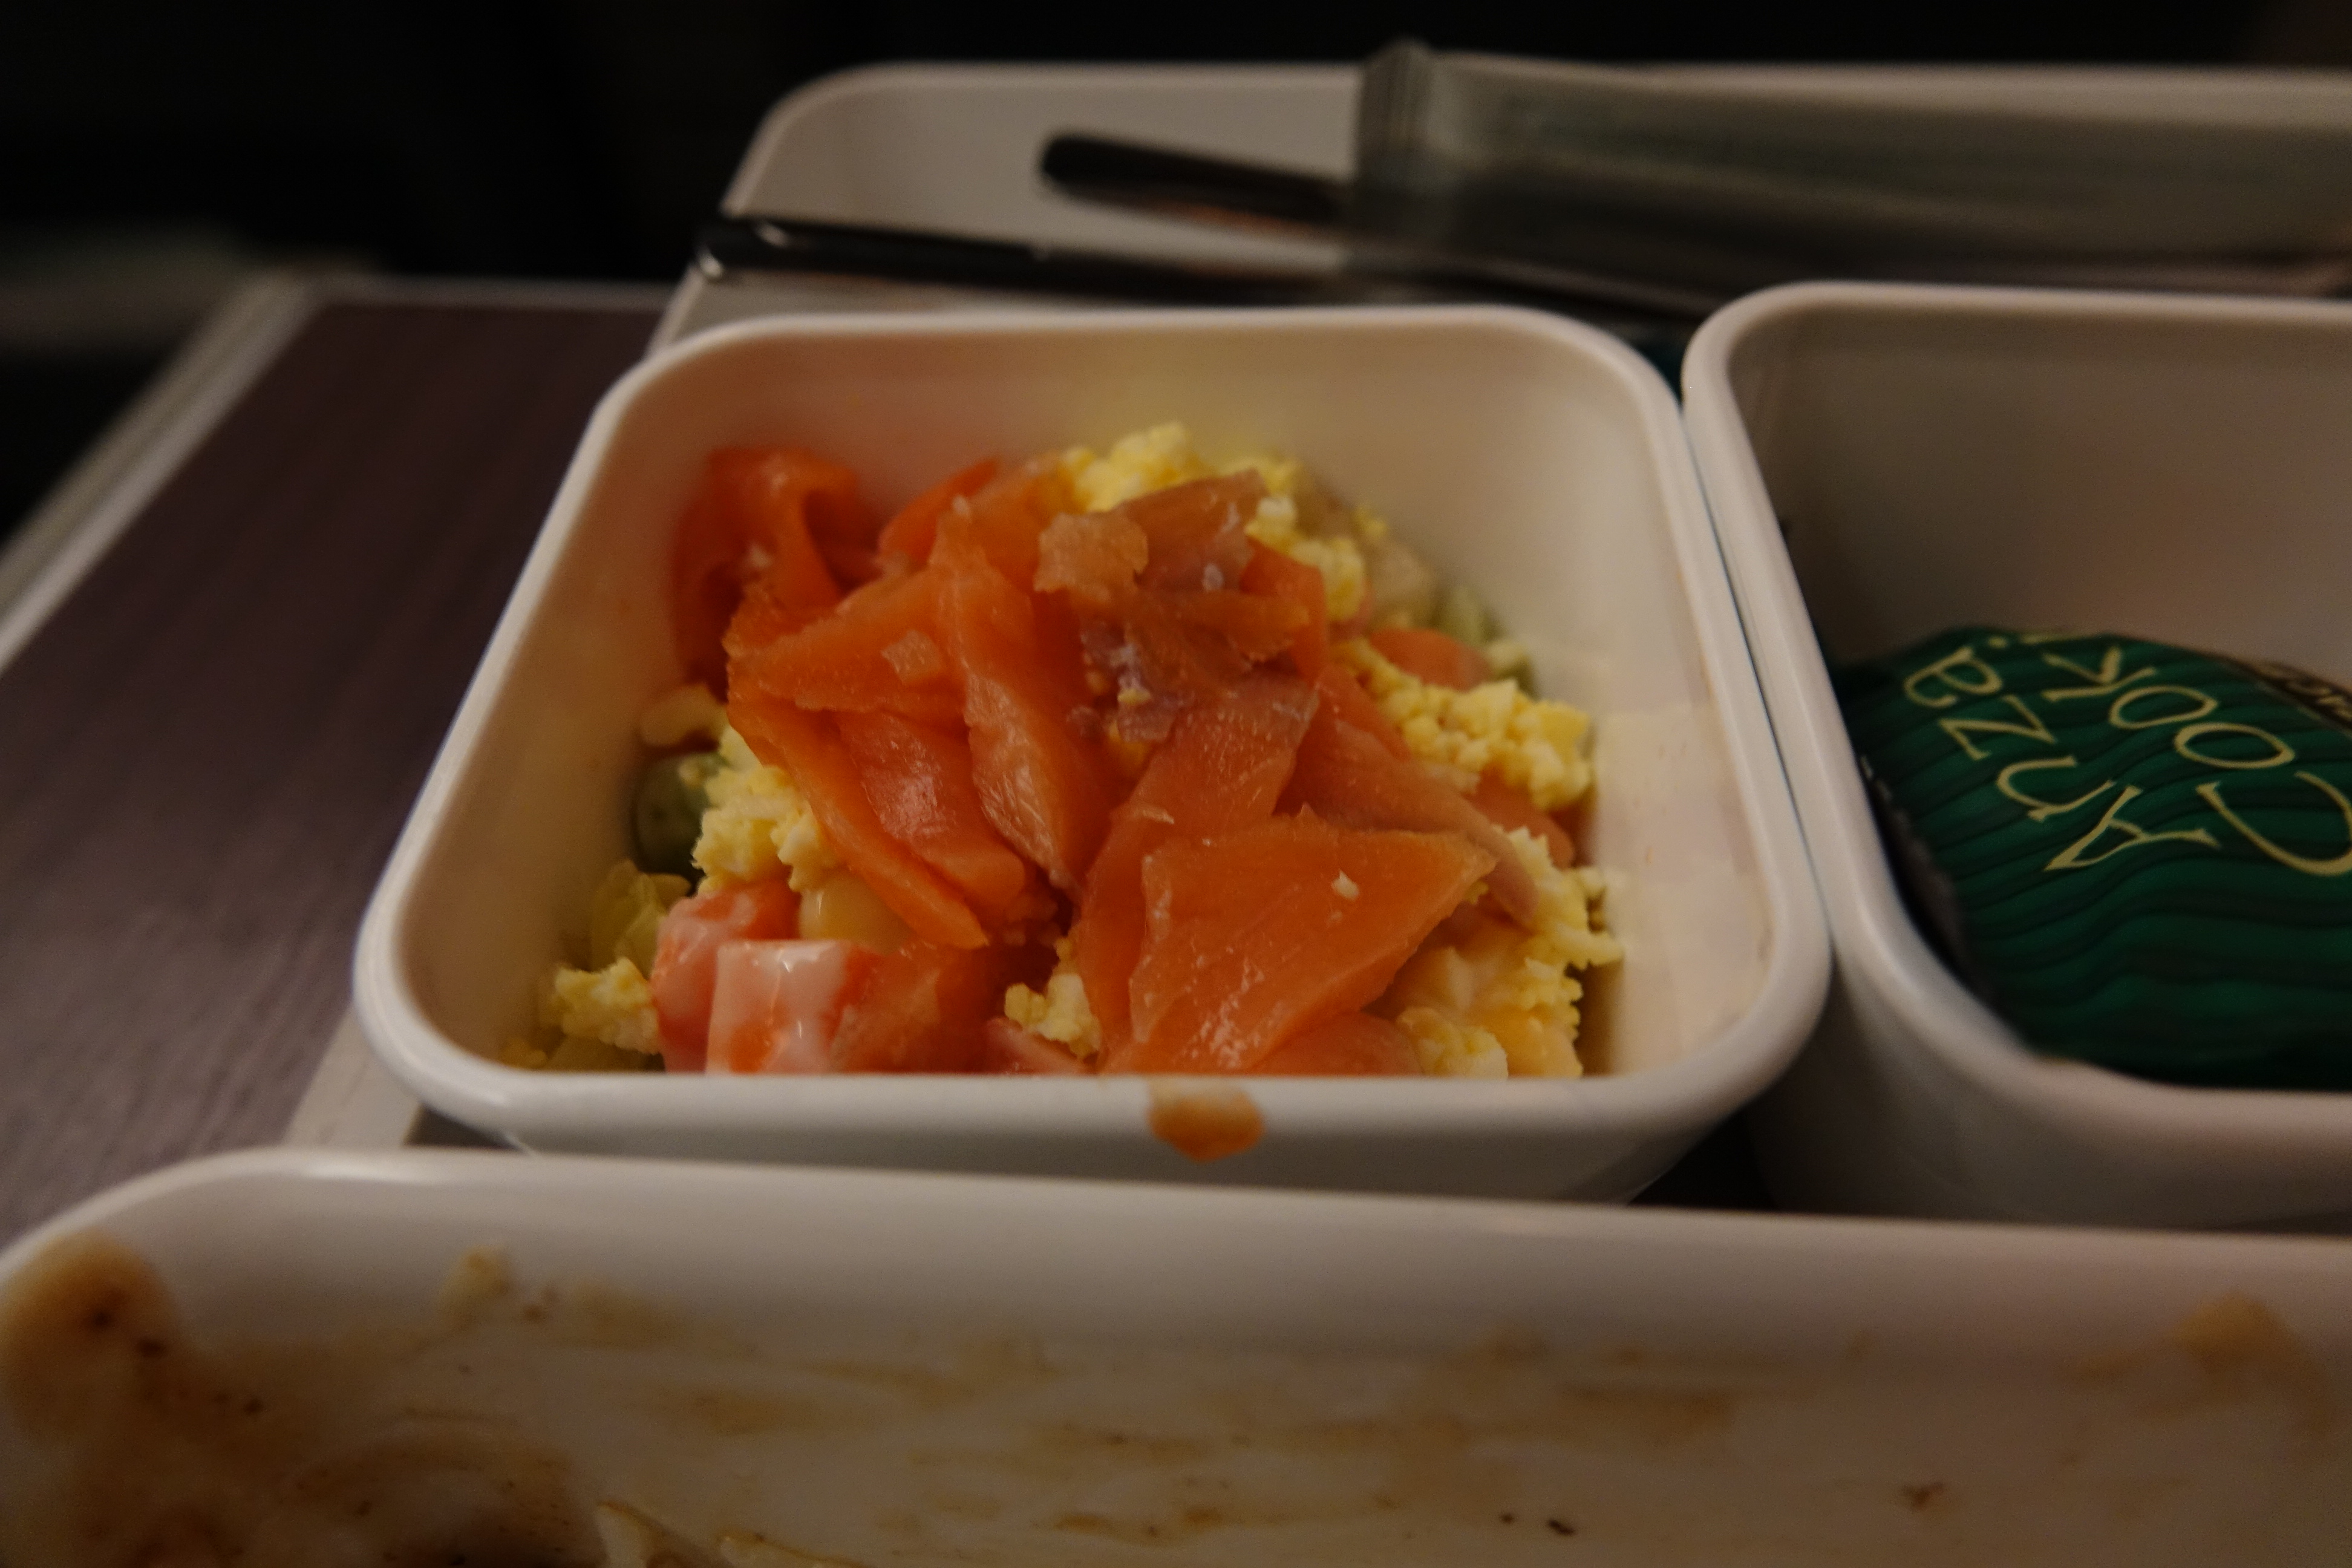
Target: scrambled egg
1163 456
760 826
613 1005
1497 727
1061 1013
1500 1002
603 1016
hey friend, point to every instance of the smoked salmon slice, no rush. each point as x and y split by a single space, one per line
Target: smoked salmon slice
1277 576
1007 1048
856 658
1222 767
685 959
1508 809
1044 785
1005 516
807 746
776 1005
1198 531
1094 557
923 1008
1254 937
1353 1045
1348 776
750 519
918 781
1432 656
1344 697
910 533
1157 588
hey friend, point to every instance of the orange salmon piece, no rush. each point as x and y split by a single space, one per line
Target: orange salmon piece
1045 786
759 620
775 1006
1508 809
1345 698
1197 531
1276 576
844 529
1433 655
1094 557
844 661
1149 648
918 781
1258 936
1155 585
1353 1045
686 957
924 1008
911 533
1258 627
1222 767
1007 1048
753 497
1350 777
807 746
1005 516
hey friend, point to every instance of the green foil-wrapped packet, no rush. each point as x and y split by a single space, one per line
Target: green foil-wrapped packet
2139 854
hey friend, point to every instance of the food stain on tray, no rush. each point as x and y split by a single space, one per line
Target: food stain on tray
1204 1121
2230 1351
154 1450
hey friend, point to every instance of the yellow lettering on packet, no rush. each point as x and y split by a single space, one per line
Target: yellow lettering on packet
2043 810
2212 795
2074 855
1963 659
2105 680
2200 705
2033 728
2281 753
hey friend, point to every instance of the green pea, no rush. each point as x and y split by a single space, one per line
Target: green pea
1462 616
667 812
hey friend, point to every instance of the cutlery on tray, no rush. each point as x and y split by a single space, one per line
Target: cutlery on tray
734 245
1502 237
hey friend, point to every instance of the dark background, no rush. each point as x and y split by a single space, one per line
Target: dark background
150 154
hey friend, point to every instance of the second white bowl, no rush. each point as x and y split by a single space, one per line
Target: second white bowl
1884 463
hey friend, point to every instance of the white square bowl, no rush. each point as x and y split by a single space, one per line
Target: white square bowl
1538 460
898 1368
1886 462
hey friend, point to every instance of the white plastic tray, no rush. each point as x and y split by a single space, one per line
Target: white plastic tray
905 1369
